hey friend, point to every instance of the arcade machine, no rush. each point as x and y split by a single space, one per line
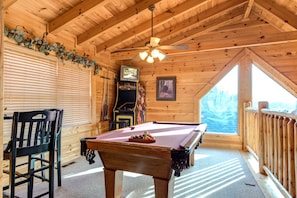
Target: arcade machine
127 107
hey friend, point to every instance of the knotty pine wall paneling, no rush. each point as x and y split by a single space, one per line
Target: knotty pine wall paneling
1 89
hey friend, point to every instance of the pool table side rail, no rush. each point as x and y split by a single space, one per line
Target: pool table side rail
127 147
177 123
195 138
191 142
201 127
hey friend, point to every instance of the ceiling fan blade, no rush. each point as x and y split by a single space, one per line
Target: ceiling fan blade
174 47
154 41
130 49
136 57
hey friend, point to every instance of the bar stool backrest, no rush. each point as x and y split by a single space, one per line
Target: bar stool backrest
32 132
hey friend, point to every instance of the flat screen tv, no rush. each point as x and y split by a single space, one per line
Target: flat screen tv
129 73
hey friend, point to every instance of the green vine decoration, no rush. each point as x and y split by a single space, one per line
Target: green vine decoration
41 45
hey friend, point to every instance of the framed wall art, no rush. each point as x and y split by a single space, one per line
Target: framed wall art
166 88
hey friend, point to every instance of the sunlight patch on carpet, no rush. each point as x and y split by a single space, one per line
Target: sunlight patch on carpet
203 182
82 173
146 193
199 156
98 170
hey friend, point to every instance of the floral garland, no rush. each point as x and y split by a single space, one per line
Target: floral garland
43 46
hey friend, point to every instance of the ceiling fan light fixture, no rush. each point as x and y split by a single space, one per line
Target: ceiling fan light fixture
155 53
150 59
143 55
161 56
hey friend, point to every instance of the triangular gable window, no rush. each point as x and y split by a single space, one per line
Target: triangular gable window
219 106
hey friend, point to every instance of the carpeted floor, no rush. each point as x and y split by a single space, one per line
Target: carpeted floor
217 174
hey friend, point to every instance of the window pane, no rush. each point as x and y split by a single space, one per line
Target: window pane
219 106
266 89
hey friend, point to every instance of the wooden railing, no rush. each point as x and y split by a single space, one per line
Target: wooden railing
272 137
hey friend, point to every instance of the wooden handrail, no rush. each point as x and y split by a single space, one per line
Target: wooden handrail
272 136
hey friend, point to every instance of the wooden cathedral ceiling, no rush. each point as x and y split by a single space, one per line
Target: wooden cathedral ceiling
203 25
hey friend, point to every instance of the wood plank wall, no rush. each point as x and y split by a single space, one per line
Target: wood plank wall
1 87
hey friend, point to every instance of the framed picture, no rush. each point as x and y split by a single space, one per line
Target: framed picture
166 88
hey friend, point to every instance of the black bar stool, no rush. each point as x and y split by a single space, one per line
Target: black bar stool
42 158
32 133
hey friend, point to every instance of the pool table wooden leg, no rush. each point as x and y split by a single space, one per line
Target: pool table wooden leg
164 188
113 183
192 157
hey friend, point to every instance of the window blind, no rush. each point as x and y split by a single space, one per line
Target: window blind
74 93
34 82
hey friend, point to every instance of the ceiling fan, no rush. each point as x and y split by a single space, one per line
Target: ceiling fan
153 49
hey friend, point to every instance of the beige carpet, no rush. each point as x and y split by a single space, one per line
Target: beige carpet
216 174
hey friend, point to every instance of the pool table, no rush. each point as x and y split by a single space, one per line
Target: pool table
168 155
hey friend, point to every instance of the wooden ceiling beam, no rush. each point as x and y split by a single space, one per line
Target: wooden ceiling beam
199 23
225 44
239 42
277 15
158 20
252 22
202 29
191 35
115 20
66 18
7 3
205 27
248 9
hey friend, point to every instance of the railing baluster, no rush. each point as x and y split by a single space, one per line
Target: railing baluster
265 131
285 152
293 160
279 140
291 127
274 140
269 142
272 136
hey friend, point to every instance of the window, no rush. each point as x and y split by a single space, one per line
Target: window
219 106
279 98
34 81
